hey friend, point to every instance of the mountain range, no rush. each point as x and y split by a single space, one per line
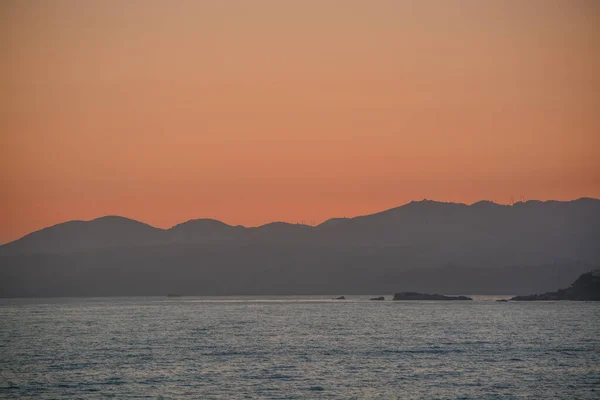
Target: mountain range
482 248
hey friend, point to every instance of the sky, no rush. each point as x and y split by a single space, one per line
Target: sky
299 111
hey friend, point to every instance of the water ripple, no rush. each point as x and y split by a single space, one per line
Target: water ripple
297 349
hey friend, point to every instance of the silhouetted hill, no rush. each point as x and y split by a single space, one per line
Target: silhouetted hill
488 233
423 246
585 288
99 233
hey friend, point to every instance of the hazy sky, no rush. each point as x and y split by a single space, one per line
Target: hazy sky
253 111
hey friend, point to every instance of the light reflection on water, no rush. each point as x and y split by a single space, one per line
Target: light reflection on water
298 347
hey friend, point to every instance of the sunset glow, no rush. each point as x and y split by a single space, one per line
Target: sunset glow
258 111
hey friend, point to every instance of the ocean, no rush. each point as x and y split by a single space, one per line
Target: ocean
297 347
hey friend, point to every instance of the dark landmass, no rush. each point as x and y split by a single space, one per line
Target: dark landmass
502 301
339 298
425 296
378 298
586 288
425 246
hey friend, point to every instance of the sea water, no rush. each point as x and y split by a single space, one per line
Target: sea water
298 347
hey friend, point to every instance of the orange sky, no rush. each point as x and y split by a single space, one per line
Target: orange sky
254 111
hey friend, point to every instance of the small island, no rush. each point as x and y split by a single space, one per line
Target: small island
426 296
585 288
381 298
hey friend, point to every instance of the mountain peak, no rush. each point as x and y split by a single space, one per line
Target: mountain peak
201 222
115 219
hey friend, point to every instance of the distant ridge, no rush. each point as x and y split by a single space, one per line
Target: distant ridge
108 231
424 246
